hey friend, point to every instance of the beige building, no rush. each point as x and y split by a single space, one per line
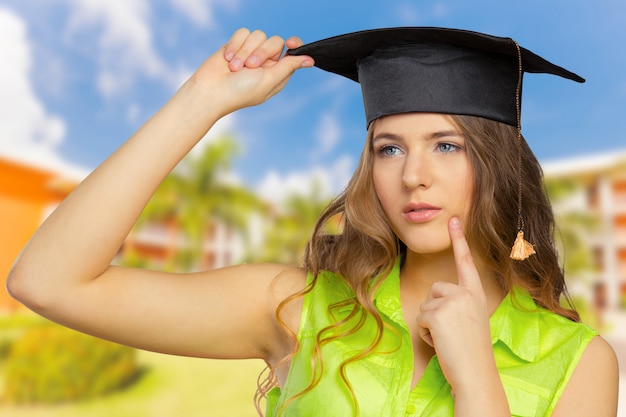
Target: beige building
600 193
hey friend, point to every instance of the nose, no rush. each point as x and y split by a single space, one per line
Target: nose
416 172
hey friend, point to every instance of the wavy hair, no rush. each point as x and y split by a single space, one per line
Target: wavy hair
367 248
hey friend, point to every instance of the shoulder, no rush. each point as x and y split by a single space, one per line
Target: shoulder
593 387
284 304
280 279
257 287
537 334
281 283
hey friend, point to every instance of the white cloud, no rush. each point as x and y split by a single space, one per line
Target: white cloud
200 12
328 133
27 131
118 35
124 45
412 14
274 187
224 126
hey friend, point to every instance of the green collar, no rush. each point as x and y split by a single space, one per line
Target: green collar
512 323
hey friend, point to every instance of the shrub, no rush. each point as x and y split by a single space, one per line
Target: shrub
5 345
53 364
12 326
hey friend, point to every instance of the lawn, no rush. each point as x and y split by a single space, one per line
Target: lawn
171 386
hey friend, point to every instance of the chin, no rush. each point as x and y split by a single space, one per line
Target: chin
429 247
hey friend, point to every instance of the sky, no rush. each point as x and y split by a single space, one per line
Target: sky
78 77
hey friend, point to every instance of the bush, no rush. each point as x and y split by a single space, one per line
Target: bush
13 326
5 345
52 364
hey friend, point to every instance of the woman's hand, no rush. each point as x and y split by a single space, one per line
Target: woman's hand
454 319
249 69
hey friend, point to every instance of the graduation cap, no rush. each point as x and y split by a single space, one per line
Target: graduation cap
436 70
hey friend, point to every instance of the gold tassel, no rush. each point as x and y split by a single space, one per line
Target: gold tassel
521 248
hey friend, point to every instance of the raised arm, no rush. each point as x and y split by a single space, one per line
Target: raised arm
64 272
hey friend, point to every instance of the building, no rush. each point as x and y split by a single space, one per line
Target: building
600 192
29 191
157 244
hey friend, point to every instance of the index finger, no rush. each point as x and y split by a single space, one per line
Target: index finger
466 270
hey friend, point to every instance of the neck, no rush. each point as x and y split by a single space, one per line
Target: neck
420 271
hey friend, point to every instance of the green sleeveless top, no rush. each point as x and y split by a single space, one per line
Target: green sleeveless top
536 352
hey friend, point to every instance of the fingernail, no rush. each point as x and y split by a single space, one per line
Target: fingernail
236 64
229 55
252 60
306 63
455 222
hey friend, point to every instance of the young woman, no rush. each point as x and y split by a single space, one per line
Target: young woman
415 308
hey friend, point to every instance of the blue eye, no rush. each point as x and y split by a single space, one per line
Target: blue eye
444 147
388 150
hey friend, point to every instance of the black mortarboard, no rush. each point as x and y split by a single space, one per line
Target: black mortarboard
434 70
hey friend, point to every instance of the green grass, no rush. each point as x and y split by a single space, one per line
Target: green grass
171 386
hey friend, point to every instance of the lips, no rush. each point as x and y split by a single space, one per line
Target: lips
420 212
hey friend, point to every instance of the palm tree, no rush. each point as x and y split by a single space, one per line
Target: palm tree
192 202
573 228
289 230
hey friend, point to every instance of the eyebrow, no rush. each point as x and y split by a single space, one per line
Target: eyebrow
446 133
431 136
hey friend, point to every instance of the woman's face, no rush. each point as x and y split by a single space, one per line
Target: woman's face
422 176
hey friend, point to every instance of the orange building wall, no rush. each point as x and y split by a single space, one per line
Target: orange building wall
25 195
18 221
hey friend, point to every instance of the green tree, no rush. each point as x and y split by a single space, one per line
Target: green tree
289 230
192 199
573 229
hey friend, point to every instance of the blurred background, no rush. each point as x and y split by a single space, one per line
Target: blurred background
77 77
